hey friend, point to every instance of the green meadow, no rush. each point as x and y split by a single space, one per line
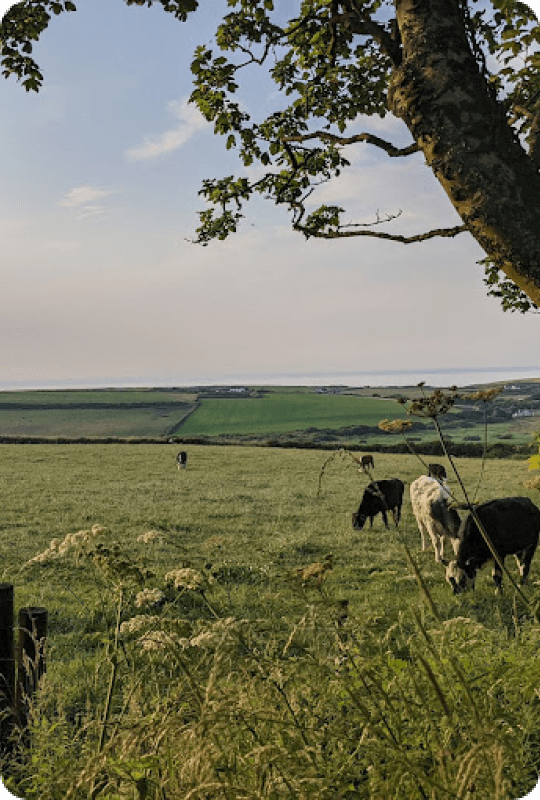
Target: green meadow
190 653
281 411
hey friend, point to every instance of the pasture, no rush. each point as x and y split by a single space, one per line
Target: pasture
246 519
287 411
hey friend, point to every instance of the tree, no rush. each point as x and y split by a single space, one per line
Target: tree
463 75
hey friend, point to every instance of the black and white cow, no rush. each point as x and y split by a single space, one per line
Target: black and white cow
437 471
513 527
379 498
181 460
431 504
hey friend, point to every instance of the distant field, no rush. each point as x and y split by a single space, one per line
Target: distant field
76 422
299 413
112 396
277 412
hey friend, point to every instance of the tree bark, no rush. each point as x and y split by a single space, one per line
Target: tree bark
440 93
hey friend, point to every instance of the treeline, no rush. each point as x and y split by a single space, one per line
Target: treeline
301 440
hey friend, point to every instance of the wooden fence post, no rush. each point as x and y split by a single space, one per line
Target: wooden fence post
31 656
7 665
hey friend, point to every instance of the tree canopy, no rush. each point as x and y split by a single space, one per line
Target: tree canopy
463 75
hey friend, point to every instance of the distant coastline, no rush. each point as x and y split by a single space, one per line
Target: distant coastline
449 376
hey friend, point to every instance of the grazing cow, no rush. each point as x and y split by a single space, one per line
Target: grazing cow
378 498
181 460
437 471
513 526
367 461
434 515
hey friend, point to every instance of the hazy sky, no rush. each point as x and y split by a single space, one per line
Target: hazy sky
98 200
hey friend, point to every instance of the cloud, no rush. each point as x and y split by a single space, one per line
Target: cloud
83 196
91 211
83 199
190 120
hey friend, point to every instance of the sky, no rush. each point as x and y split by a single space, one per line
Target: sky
102 285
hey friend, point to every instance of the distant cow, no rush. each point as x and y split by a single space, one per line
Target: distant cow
367 461
431 504
181 459
513 527
379 498
437 471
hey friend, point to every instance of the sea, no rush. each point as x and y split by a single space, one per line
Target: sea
436 377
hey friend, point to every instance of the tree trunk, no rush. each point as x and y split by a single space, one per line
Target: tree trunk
440 93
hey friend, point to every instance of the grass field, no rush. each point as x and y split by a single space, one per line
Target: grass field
277 412
76 422
261 713
75 397
263 500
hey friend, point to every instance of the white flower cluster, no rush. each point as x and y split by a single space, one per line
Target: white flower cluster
138 624
149 536
187 578
73 541
147 629
149 597
216 634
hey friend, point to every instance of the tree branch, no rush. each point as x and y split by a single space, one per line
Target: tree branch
362 24
388 147
341 234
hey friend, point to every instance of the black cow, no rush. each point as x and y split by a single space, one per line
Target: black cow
181 460
367 461
379 498
513 526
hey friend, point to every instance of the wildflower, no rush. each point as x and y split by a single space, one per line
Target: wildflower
434 404
40 558
187 579
395 425
149 536
148 597
215 634
485 394
72 541
138 623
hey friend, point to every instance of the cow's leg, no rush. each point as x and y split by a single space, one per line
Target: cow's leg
385 519
524 563
437 542
497 577
423 534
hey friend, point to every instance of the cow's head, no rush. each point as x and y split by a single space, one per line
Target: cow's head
358 521
461 578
